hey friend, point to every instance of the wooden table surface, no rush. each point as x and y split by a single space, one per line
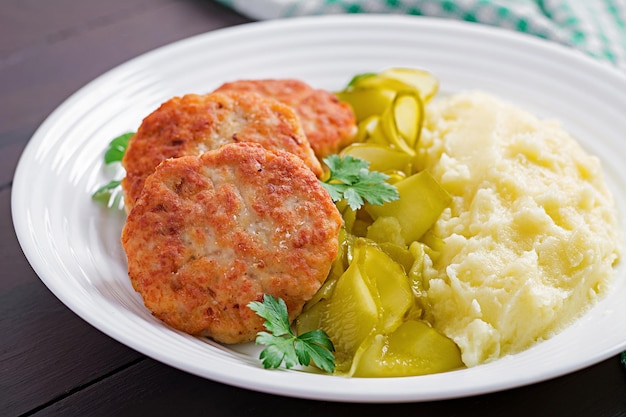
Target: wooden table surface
52 363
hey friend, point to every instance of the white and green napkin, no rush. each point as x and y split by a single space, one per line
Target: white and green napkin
597 27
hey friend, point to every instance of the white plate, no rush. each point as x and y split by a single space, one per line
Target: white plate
73 243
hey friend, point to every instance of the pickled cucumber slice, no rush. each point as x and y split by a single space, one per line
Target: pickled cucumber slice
348 316
392 285
381 83
380 157
421 202
399 253
408 116
367 102
366 129
401 122
414 348
389 106
423 81
386 229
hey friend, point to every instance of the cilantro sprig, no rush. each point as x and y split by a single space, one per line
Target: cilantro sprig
282 345
114 153
350 178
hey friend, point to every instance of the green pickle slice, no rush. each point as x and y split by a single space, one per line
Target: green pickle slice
366 129
392 285
367 102
381 158
423 81
348 316
421 202
389 106
414 348
407 116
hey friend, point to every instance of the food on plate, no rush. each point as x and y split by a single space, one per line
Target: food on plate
449 231
506 234
370 312
531 237
389 106
193 124
349 179
328 123
211 233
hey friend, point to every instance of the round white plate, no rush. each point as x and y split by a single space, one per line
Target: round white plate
73 244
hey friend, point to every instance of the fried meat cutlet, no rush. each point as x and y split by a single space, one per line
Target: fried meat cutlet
210 233
193 124
328 123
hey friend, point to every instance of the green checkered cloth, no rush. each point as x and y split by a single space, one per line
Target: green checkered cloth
597 27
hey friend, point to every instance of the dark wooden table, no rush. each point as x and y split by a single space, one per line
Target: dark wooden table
54 364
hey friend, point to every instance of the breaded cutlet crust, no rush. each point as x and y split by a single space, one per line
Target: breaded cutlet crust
193 124
211 233
328 123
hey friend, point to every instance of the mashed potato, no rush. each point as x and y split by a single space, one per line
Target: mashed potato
531 237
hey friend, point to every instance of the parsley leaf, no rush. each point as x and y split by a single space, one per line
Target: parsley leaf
117 148
351 179
115 153
281 343
104 193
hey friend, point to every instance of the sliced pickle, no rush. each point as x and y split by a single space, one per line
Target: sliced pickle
416 273
389 106
395 176
366 102
414 348
380 157
380 82
386 229
401 122
399 253
423 81
421 202
392 285
408 116
366 129
311 317
378 135
348 317
360 227
391 134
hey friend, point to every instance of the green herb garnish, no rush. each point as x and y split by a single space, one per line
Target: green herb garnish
281 343
351 179
117 148
115 153
104 193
